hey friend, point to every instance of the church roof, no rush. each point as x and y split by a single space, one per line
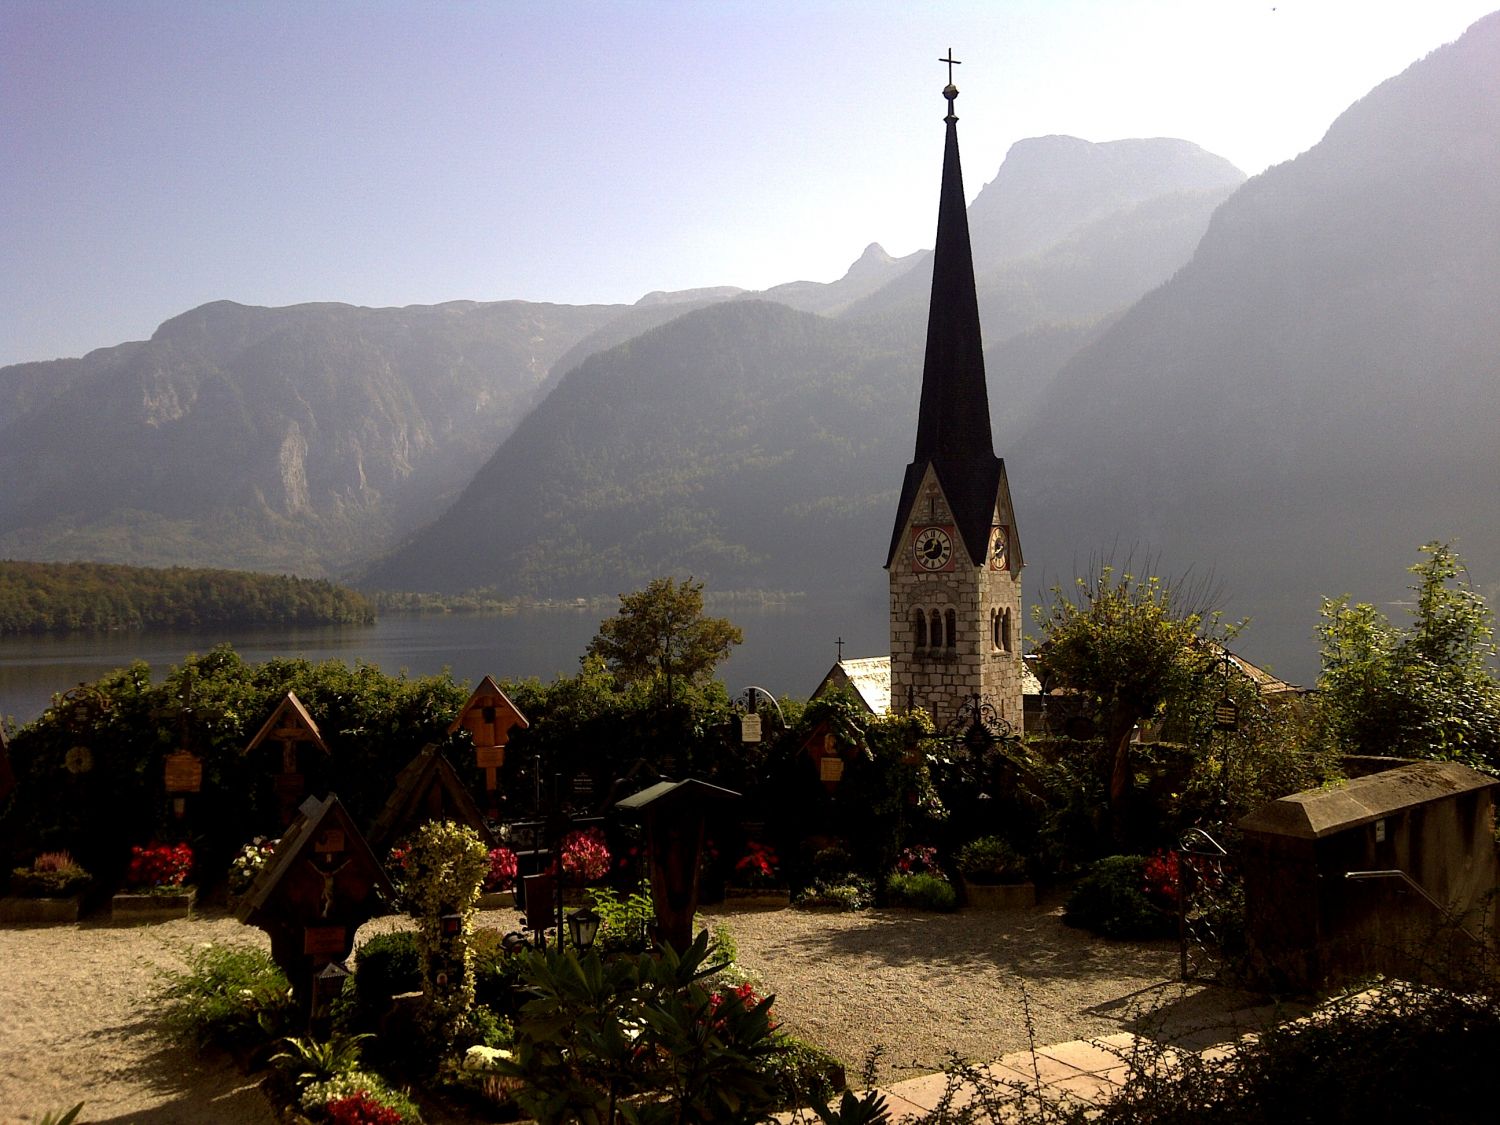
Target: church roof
869 678
953 419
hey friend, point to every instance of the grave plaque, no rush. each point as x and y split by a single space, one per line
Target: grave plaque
328 941
183 772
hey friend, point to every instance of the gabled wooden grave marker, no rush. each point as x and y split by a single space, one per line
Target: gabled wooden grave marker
291 727
427 788
321 884
489 716
674 813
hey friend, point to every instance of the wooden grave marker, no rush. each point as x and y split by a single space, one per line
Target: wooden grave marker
490 717
427 788
291 727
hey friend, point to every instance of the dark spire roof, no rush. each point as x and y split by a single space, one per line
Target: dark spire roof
953 421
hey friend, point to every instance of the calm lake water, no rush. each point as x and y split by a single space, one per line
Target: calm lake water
787 648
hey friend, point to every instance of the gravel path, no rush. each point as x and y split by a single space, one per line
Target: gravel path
76 1019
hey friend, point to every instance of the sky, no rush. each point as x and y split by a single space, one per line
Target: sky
156 155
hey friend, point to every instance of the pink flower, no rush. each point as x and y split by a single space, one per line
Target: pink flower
502 873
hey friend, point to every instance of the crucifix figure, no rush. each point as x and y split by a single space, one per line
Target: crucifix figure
952 62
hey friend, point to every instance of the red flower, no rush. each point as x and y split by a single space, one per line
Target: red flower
361 1109
1162 881
502 873
757 866
162 865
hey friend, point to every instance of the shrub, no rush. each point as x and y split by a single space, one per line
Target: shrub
229 995
497 974
1111 900
925 892
387 965
802 1073
990 860
851 893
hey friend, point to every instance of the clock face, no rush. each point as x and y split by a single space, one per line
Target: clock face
932 548
998 549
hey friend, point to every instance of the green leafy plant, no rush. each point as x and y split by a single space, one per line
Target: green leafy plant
229 995
623 920
444 871
853 892
61 1117
385 966
1111 900
358 1097
643 1035
307 1061
990 860
923 891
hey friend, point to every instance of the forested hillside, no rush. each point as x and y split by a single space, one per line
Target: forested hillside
102 597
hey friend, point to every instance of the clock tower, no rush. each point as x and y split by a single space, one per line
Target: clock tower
955 557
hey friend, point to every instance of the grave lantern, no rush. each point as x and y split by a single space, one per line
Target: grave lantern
292 728
674 813
583 927
489 716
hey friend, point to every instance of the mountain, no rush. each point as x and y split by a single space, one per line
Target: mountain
753 447
1314 394
302 438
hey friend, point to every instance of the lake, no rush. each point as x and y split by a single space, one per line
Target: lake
787 650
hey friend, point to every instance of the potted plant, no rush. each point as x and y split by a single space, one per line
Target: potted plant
994 874
50 890
756 880
500 881
156 884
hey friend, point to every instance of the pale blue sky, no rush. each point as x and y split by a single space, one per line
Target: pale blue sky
158 155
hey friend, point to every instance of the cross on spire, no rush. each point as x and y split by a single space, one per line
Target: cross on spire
952 62
840 643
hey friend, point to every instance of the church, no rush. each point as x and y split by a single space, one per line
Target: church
955 554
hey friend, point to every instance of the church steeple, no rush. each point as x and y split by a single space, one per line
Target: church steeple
953 420
955 559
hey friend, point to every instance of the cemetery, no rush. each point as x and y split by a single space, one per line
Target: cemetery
463 942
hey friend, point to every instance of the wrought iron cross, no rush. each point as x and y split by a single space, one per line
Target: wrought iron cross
952 62
840 643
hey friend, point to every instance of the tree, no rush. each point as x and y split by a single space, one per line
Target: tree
1128 650
660 633
1429 691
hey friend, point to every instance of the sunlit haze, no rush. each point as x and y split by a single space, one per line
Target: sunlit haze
158 155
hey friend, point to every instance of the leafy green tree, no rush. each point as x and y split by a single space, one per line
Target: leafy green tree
1427 691
1129 650
660 633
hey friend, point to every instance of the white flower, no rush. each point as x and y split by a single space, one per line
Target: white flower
480 1057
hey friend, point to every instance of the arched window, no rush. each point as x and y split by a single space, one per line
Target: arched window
937 629
1005 630
952 628
994 628
919 626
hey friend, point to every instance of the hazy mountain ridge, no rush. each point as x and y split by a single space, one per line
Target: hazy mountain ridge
301 437
1313 396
